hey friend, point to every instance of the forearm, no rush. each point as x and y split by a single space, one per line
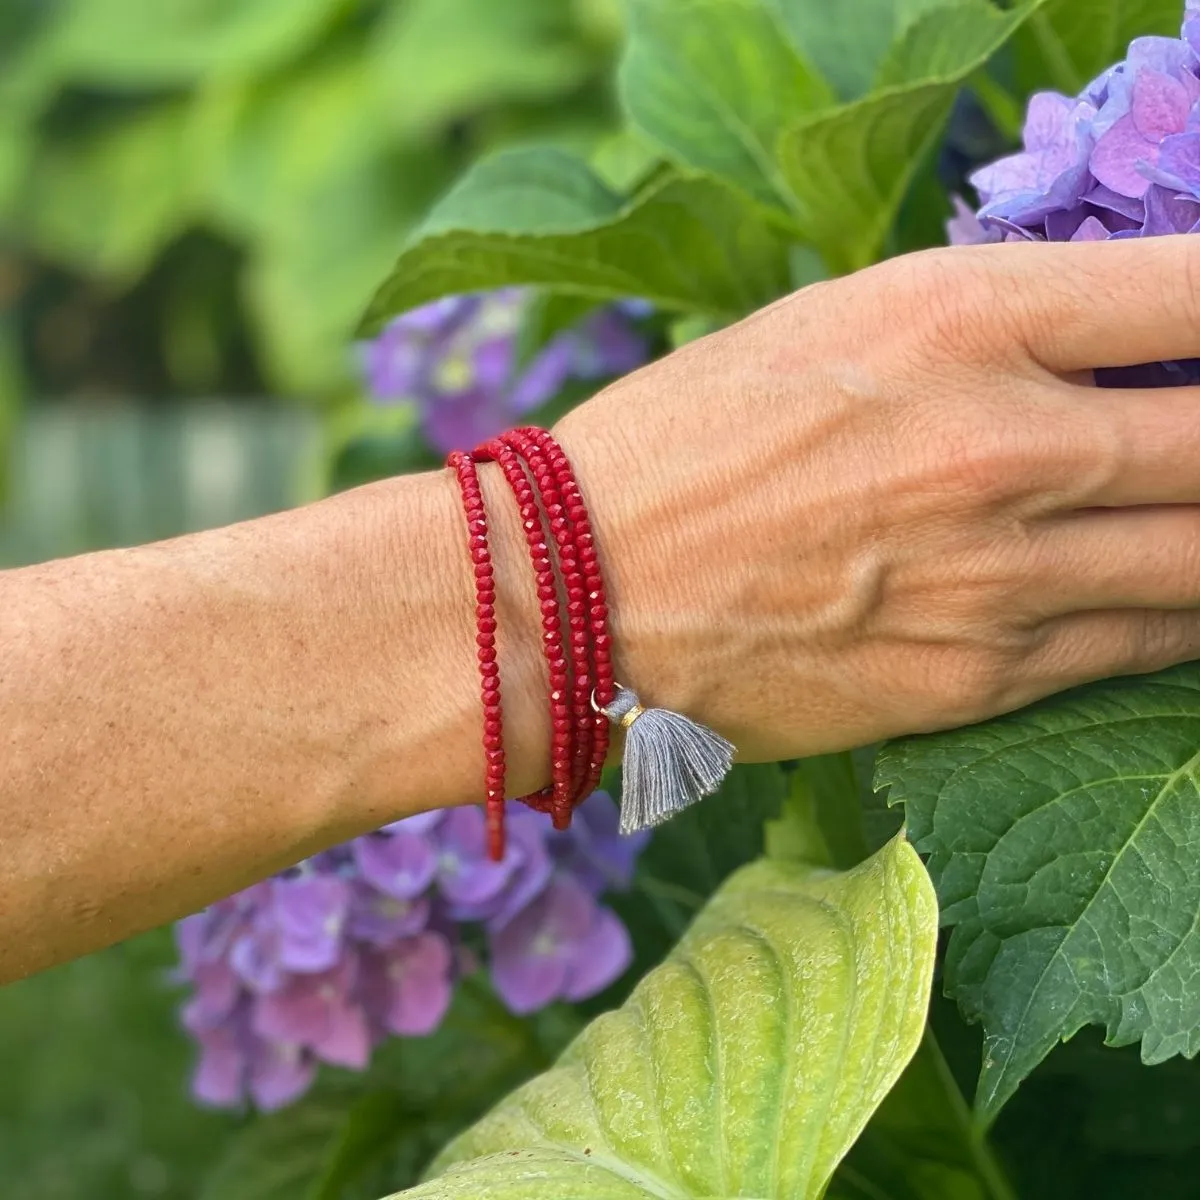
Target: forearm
182 719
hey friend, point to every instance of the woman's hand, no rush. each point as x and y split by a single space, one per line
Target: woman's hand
893 502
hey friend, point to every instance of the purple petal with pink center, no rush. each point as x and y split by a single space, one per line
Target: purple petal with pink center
318 1012
379 919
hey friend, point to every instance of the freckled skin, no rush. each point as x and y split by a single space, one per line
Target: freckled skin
885 504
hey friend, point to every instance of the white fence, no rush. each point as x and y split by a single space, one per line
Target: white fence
87 478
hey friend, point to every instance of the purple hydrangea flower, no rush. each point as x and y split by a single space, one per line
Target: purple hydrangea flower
1121 160
399 862
363 942
563 946
409 989
456 359
319 1012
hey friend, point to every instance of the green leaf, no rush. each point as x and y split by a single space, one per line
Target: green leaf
109 1089
625 160
107 200
822 818
849 168
848 41
270 145
715 82
1069 42
13 388
155 43
310 280
546 316
16 153
1062 841
745 1066
539 216
439 60
370 1129
278 1157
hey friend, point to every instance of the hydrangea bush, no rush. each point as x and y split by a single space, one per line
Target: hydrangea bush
774 1035
366 941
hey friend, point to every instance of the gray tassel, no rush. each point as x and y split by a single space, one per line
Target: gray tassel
670 762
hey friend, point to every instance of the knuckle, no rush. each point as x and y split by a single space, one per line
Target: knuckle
1189 283
1161 638
976 456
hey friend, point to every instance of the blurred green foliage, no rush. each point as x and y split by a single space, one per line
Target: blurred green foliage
93 1091
224 181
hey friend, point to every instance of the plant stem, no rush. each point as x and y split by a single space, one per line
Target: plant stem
990 1173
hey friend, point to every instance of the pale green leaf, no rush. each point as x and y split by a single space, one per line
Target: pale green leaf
539 216
437 60
847 41
745 1066
624 160
1064 843
715 82
161 42
849 168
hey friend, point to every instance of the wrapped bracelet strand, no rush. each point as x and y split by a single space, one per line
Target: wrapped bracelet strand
670 761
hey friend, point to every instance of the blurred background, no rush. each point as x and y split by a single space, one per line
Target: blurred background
197 198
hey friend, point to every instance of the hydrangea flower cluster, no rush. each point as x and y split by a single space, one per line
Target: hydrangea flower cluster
1121 160
456 359
324 961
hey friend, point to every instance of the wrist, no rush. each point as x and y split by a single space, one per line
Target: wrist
421 582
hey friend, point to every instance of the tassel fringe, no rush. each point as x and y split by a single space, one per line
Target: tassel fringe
670 762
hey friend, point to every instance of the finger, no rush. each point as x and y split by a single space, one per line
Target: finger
1137 447
1080 305
1101 645
1116 558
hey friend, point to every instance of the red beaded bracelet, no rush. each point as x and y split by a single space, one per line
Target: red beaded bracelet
485 638
670 762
